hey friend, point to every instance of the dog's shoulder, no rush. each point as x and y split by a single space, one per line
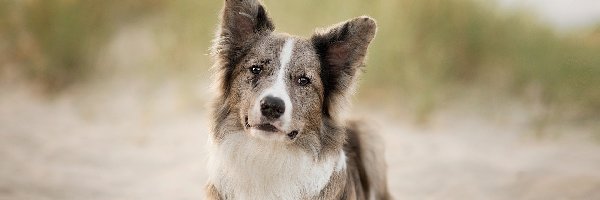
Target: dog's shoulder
366 161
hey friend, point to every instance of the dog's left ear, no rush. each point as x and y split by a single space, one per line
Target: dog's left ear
342 49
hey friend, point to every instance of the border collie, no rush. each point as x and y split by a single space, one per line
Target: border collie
276 130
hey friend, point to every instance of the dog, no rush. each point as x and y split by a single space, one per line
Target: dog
276 129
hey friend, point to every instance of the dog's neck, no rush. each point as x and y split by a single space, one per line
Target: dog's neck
244 167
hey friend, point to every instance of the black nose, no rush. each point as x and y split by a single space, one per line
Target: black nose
272 107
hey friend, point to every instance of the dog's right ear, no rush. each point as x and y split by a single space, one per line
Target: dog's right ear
242 23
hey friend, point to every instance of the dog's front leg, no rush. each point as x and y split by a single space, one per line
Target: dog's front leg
212 193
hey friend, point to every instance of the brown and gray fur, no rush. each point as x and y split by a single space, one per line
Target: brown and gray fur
276 132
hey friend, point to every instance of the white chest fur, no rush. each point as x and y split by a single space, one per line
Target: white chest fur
248 168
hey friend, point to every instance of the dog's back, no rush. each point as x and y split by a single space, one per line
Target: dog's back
366 166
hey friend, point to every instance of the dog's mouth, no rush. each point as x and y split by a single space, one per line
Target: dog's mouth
267 127
263 127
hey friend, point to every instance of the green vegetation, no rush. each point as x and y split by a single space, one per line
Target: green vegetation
54 42
425 52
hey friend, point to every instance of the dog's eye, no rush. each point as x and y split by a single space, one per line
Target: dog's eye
255 69
303 81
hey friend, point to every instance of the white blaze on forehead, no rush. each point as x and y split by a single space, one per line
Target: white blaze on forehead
285 56
279 87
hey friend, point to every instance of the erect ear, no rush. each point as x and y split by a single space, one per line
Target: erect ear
242 23
342 49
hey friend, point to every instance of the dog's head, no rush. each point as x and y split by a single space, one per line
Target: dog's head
280 87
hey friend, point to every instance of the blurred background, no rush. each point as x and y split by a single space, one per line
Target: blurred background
475 99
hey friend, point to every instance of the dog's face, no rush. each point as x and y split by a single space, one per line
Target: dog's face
280 87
